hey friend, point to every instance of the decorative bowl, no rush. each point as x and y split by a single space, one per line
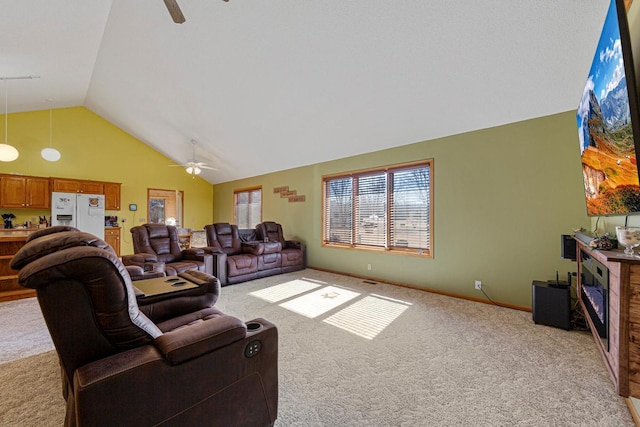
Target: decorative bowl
629 237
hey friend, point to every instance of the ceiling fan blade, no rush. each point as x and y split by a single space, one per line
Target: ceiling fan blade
192 163
174 11
208 167
195 165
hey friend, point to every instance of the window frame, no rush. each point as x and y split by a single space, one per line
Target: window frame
247 190
387 170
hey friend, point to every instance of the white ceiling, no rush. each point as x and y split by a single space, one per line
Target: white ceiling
266 85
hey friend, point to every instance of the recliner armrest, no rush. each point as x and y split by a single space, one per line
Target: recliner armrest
139 259
198 254
100 370
253 248
219 263
139 273
294 244
188 342
193 251
212 250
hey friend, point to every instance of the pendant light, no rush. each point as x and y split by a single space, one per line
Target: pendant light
50 154
8 153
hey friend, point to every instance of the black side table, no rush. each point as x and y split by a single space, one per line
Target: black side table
551 305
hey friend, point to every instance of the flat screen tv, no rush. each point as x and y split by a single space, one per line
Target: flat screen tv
608 120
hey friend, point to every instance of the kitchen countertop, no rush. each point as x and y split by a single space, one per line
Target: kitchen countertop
17 234
17 231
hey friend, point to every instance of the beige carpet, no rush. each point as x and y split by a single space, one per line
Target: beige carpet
358 354
31 394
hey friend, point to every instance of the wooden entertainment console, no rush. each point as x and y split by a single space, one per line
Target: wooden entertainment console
622 359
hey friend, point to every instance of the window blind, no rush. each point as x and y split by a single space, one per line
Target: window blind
409 216
387 208
248 208
338 210
371 210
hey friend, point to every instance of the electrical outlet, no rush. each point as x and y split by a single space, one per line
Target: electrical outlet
478 284
369 267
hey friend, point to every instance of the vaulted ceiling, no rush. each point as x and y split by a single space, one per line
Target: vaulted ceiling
267 85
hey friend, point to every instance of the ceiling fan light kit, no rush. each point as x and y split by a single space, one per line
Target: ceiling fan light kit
192 166
193 170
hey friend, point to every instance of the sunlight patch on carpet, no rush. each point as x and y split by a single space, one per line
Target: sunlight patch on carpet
369 316
316 303
286 290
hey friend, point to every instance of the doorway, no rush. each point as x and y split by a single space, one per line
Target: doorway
165 206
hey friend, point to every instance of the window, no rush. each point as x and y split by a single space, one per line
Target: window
387 208
248 207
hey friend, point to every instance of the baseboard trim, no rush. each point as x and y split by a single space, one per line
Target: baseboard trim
419 288
632 410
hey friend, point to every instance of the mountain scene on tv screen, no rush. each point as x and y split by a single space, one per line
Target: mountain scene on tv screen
607 147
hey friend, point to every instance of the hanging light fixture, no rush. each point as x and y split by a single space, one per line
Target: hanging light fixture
193 167
8 153
193 170
49 153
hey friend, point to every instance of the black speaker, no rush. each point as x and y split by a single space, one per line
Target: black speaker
551 306
568 247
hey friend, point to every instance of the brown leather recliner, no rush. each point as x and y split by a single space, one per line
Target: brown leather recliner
158 244
191 365
136 272
230 263
293 251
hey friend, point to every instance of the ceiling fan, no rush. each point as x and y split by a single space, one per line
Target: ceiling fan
175 12
192 166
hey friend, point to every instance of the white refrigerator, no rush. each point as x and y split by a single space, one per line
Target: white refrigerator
83 211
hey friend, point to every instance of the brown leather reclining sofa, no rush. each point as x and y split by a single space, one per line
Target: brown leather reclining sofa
246 254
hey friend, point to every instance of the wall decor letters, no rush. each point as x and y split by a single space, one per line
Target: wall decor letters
290 195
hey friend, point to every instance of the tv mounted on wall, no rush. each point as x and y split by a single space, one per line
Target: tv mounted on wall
608 121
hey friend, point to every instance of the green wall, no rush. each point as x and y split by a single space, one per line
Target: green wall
502 198
95 149
607 224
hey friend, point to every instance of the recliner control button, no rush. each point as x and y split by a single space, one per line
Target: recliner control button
252 348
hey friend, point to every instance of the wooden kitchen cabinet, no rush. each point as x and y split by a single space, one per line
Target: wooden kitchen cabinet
77 186
111 190
66 185
112 237
34 192
19 191
112 196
